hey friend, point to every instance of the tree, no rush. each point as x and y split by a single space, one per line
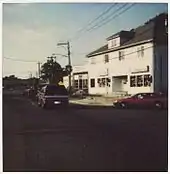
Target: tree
52 71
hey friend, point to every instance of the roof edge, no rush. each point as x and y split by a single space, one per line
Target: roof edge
119 48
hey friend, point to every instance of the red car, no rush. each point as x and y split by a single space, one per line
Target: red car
148 100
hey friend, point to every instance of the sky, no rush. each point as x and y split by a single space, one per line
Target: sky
31 31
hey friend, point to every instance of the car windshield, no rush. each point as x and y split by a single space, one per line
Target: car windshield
56 90
135 96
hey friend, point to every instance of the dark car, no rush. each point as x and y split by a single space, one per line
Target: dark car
79 94
143 100
52 95
26 92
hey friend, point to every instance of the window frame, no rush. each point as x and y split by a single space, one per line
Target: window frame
85 83
141 84
76 84
121 55
106 58
93 60
92 83
135 79
142 51
147 80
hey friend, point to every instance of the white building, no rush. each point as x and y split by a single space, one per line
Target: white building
79 77
131 61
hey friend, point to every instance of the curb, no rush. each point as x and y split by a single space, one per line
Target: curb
89 104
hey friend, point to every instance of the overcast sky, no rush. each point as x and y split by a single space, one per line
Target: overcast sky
31 31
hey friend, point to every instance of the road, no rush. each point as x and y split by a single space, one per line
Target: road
82 138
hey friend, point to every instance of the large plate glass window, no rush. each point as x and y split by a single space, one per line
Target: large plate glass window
147 80
85 83
76 84
140 81
132 81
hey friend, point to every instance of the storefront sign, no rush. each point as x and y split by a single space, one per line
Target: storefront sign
104 72
141 70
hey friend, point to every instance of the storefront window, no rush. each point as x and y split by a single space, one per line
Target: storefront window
99 81
147 80
80 83
103 82
76 84
132 81
108 82
85 83
139 81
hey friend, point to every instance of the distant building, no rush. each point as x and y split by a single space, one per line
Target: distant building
131 61
79 78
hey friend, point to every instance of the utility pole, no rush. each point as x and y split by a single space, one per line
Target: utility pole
39 71
30 75
69 62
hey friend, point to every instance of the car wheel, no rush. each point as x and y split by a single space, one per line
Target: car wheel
114 105
158 105
123 105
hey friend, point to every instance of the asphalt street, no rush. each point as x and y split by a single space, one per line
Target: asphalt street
82 138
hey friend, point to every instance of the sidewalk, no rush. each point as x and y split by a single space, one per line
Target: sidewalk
95 101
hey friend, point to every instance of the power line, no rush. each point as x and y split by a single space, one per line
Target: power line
105 20
92 21
114 12
148 29
80 53
19 60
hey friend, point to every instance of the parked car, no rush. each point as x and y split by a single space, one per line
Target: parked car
79 93
26 92
143 100
52 95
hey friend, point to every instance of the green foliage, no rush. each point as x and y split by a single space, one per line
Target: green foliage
52 71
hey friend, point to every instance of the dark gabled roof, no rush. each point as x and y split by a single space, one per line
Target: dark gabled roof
101 49
141 33
121 34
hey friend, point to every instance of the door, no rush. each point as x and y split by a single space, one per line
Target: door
137 101
144 100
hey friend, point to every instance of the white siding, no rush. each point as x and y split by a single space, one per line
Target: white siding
125 67
76 69
130 63
80 68
112 41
